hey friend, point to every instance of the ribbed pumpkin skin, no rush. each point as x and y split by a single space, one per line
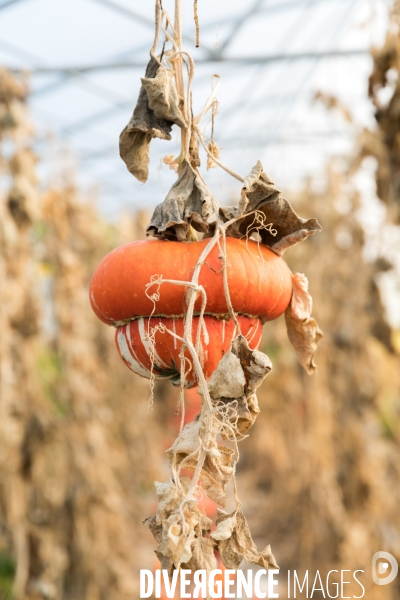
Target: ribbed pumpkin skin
135 347
260 282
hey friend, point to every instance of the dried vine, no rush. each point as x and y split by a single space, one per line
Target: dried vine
229 404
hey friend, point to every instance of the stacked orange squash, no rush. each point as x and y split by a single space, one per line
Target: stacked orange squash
260 287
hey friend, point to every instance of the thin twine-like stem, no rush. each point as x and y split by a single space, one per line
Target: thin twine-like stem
157 28
188 112
196 22
178 69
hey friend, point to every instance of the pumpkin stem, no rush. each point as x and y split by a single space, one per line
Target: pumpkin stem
191 235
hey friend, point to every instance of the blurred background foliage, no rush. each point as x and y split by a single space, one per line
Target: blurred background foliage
79 450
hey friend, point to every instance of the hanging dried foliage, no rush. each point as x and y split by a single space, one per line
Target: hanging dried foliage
235 544
302 328
229 403
156 111
163 98
261 204
189 204
181 530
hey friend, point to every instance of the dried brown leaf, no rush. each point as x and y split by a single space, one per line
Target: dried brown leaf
187 443
303 331
155 528
216 474
174 541
259 194
218 464
179 544
215 490
214 151
176 549
228 379
247 411
239 373
194 149
225 527
256 365
217 469
234 543
188 204
163 97
203 556
169 497
134 141
162 551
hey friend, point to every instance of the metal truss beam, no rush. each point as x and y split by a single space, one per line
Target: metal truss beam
238 60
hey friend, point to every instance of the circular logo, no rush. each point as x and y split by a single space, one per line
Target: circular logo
381 561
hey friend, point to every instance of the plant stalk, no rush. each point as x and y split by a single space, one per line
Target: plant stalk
179 72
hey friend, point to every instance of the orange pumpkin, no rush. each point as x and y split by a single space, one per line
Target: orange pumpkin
137 351
260 282
260 287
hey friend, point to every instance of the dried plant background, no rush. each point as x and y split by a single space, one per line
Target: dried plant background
79 452
71 456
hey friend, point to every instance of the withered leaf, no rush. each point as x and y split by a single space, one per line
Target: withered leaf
145 124
225 526
163 97
234 543
228 379
166 563
214 489
255 365
259 194
156 530
217 468
169 497
203 557
216 473
239 373
187 442
188 203
194 149
248 411
177 539
214 151
179 544
303 331
218 464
